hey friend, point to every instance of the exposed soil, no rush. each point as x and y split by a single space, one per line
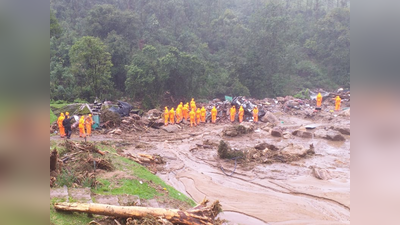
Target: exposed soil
310 186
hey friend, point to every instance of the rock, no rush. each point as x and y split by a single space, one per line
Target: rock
261 146
269 117
276 132
136 117
281 99
173 128
289 153
334 136
303 134
234 131
342 129
116 131
330 135
154 113
287 135
345 113
321 174
156 123
267 146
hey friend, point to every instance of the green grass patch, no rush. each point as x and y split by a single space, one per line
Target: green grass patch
133 187
63 218
53 117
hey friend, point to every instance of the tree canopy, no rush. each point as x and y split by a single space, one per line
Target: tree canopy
197 48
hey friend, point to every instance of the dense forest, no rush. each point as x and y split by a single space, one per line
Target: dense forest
145 49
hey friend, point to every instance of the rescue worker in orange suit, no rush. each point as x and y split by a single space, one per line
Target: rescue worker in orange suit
166 116
241 114
233 113
82 127
338 100
178 114
193 104
255 114
60 125
172 116
319 99
213 114
89 123
203 114
192 116
198 115
185 112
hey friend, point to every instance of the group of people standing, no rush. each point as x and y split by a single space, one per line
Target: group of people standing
198 115
338 101
65 128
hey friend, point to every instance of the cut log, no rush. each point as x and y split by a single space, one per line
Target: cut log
201 214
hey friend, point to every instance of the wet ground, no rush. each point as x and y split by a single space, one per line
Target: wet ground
277 193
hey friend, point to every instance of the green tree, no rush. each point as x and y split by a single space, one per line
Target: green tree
55 28
91 64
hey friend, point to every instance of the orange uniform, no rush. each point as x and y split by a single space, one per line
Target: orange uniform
166 116
185 112
319 99
193 104
213 114
233 113
203 114
338 100
178 114
255 114
241 114
192 116
82 127
198 115
89 123
172 116
60 125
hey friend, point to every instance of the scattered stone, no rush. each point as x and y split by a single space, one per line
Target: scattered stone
116 131
276 132
335 136
80 194
154 113
303 134
287 135
289 153
173 128
136 117
269 117
321 174
234 131
342 129
261 146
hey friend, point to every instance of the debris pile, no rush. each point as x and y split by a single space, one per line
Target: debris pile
226 152
288 154
76 166
146 160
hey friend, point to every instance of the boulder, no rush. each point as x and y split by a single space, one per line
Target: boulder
334 136
302 133
330 135
321 174
156 123
234 131
116 131
289 153
173 128
136 117
342 129
276 132
345 113
154 113
269 117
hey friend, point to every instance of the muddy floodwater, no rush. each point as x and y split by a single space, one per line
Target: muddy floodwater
255 193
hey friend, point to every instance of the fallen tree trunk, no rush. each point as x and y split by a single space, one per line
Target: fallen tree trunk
201 214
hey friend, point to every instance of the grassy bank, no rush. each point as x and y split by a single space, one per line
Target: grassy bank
128 177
